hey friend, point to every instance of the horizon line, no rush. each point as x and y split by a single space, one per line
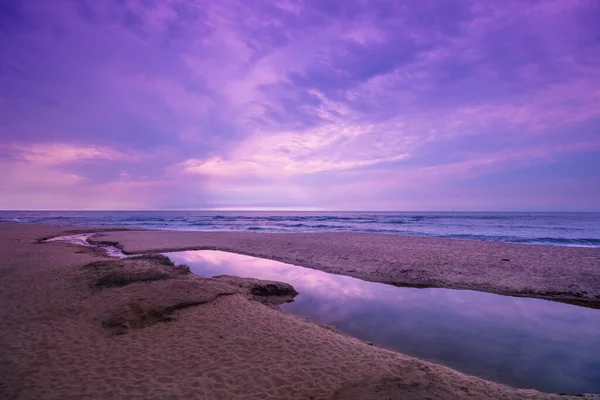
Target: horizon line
298 210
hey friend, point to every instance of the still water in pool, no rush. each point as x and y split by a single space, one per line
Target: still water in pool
528 343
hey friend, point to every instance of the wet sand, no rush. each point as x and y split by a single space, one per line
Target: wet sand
569 274
184 336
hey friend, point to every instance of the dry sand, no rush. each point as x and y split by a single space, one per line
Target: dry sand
557 273
184 336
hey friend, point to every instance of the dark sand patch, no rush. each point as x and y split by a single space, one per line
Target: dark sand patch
102 274
267 292
140 291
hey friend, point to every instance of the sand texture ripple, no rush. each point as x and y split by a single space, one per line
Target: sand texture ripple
172 335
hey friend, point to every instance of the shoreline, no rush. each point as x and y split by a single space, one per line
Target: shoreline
577 301
557 273
559 228
222 345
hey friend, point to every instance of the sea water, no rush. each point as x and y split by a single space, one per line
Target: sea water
564 229
522 342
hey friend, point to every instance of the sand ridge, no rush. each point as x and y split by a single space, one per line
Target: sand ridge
53 346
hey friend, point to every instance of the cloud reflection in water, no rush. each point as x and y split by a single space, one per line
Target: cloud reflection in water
522 342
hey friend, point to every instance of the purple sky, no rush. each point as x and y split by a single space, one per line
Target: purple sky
308 104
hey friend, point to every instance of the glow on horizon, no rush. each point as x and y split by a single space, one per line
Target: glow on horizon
300 105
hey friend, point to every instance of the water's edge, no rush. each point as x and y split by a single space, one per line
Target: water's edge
550 229
83 239
113 249
471 331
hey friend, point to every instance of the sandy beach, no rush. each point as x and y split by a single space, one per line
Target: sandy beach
78 324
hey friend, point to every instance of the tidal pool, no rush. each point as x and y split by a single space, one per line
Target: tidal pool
522 342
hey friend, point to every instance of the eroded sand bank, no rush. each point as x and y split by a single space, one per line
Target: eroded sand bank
224 346
558 273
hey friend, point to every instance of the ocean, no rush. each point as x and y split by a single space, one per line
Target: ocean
558 229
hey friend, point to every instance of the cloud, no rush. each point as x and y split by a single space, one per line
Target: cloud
297 103
330 148
63 153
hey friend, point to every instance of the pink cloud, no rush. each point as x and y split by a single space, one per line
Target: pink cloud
62 153
291 104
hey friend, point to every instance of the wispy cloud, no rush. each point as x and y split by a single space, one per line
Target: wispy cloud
64 153
201 104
